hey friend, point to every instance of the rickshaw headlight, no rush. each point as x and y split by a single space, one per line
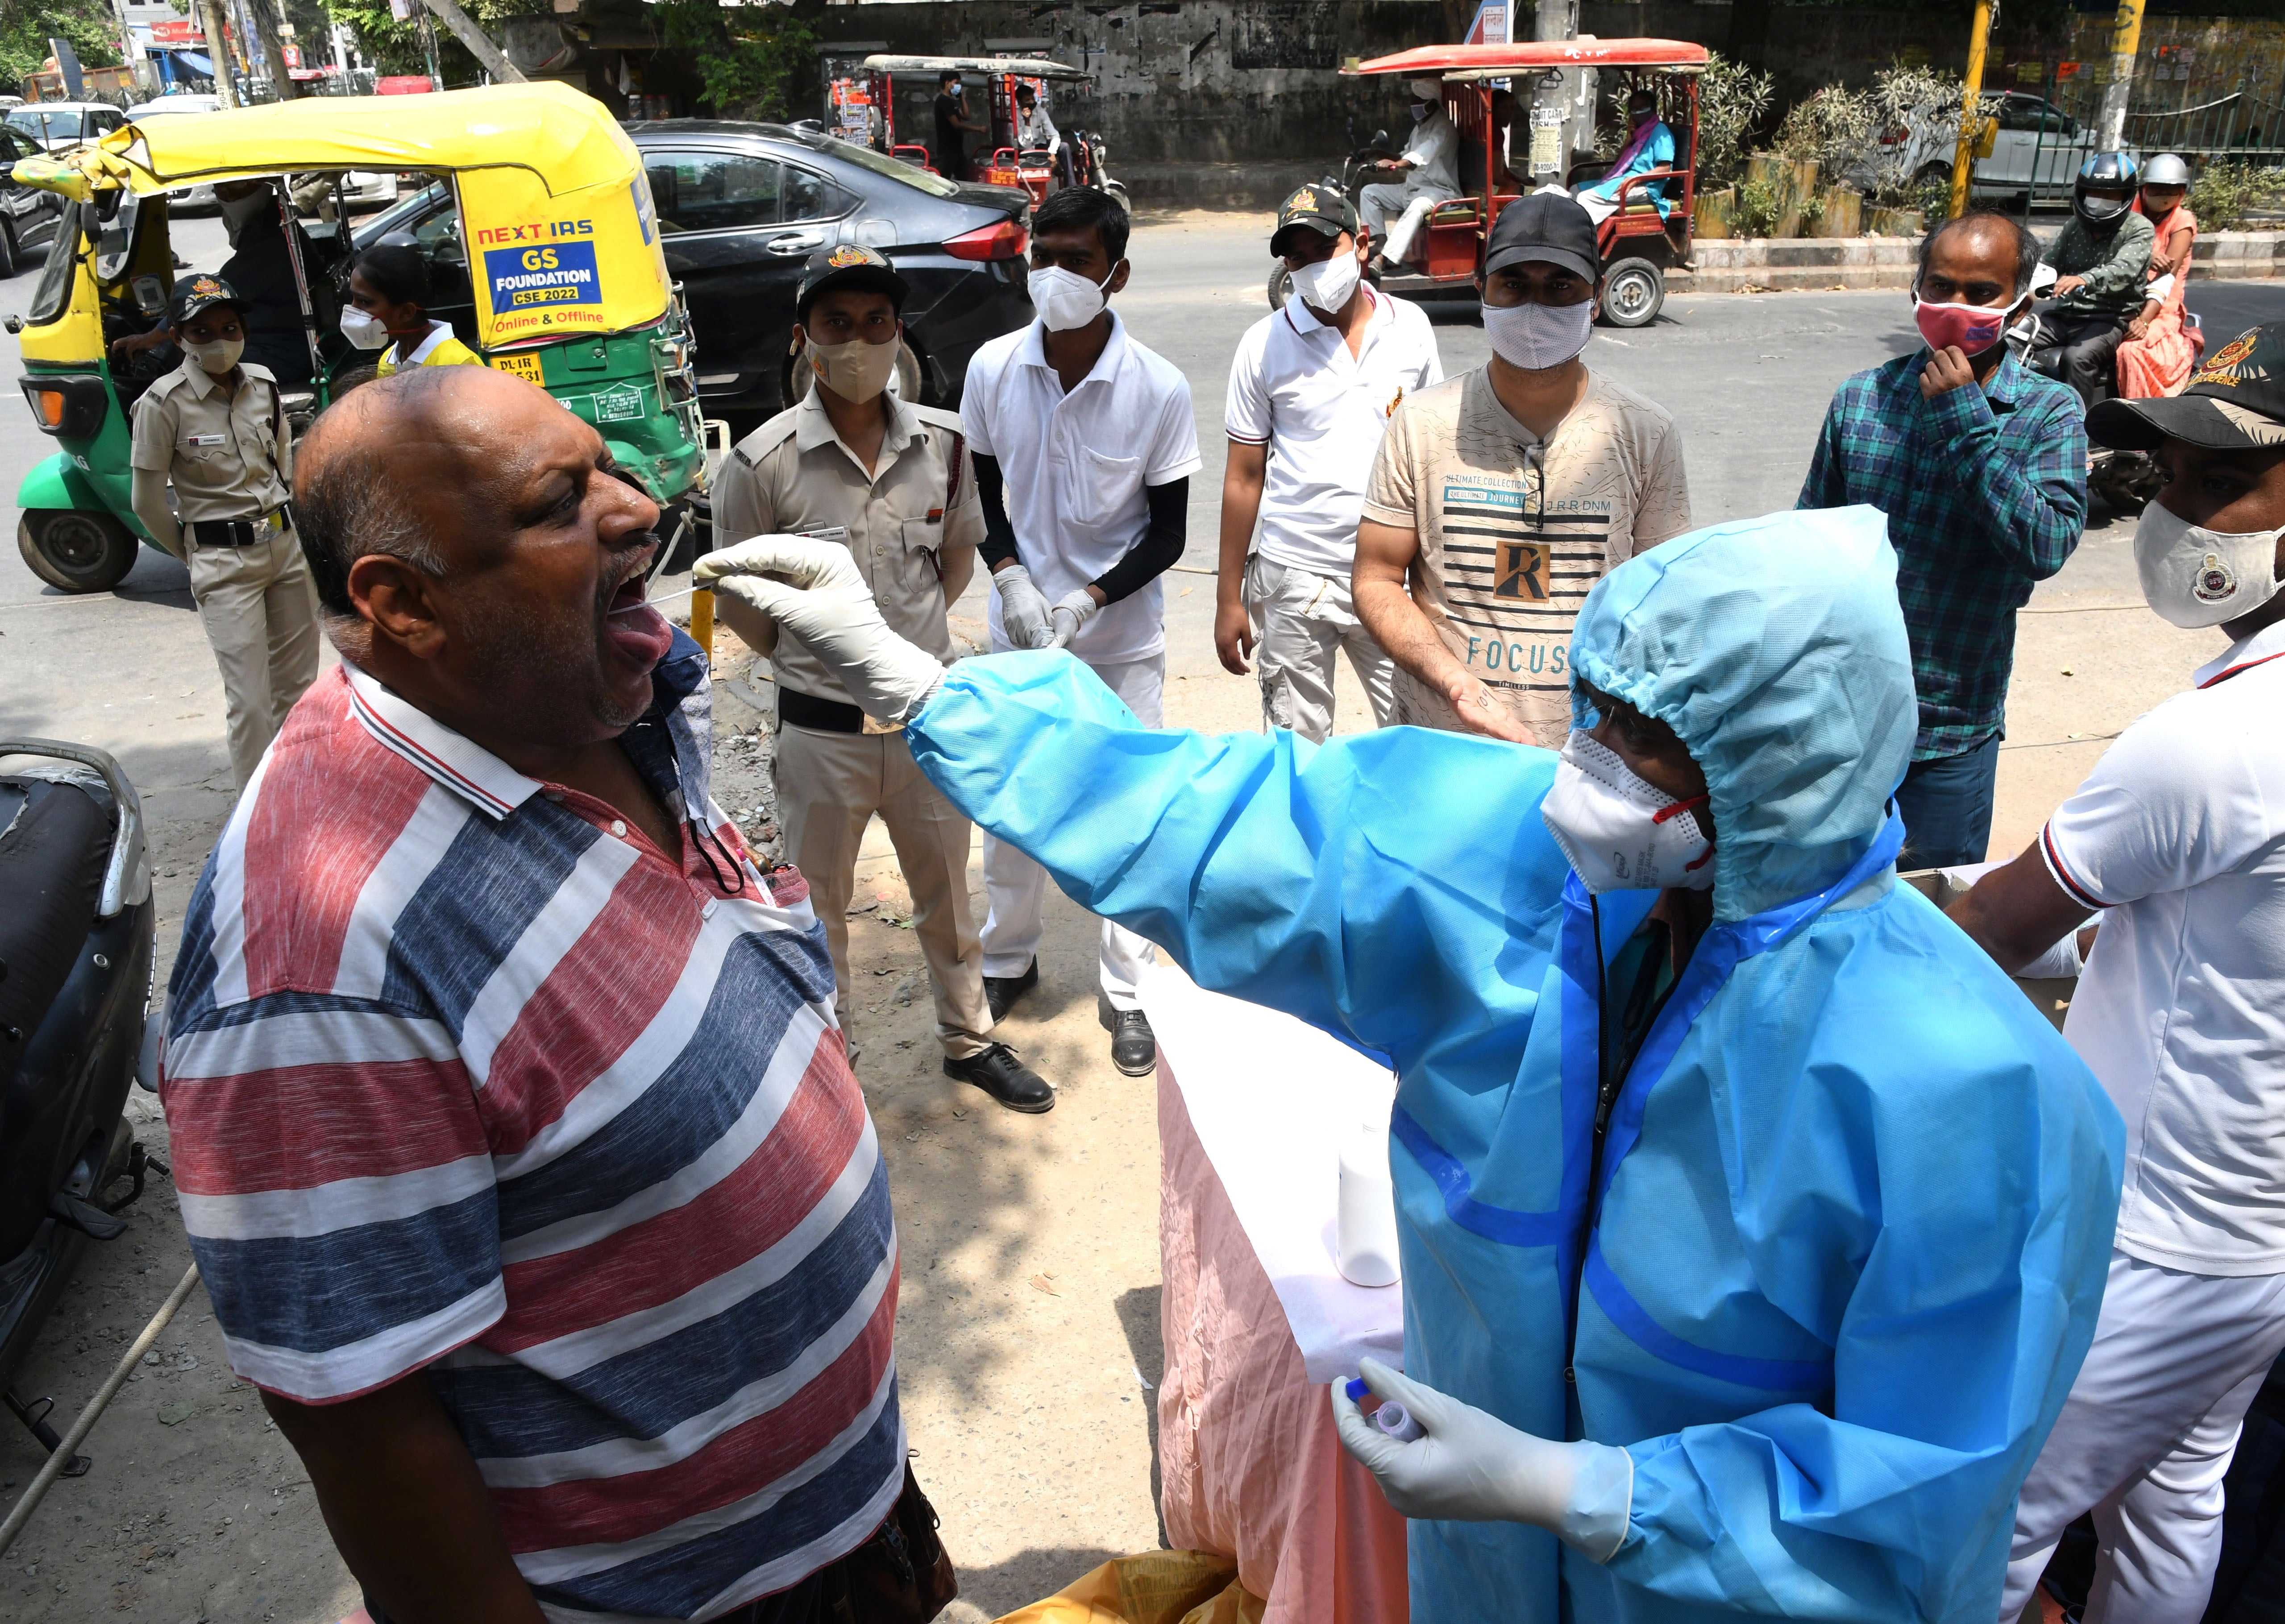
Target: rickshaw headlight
71 407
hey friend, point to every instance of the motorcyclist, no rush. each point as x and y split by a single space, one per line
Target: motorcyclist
2100 257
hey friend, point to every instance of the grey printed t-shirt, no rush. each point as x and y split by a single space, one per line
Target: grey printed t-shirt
1514 530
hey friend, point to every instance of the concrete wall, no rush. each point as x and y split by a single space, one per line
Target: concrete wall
1232 102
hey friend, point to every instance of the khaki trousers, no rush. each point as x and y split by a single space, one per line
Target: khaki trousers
261 617
1302 622
828 785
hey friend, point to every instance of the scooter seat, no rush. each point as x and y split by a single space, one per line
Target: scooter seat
54 841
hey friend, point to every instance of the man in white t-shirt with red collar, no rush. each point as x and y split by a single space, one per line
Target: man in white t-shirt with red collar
1310 391
2178 839
1084 446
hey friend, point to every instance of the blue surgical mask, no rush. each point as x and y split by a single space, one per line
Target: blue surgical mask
1419 111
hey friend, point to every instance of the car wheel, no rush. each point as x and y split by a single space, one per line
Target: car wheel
73 549
9 261
1633 290
904 383
1281 287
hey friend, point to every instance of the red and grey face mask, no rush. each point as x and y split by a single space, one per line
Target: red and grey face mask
1971 328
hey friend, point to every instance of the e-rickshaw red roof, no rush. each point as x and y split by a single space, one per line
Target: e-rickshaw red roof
1526 56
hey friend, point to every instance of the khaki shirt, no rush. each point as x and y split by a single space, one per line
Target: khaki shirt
230 456
1514 530
910 522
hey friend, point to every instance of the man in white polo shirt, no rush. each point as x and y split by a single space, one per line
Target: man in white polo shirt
2177 838
1084 447
1310 391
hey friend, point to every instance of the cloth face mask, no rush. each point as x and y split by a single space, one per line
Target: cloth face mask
1538 336
1970 328
218 357
1065 299
1620 833
855 371
2194 576
363 329
1327 285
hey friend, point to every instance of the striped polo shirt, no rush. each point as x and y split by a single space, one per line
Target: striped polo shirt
464 1074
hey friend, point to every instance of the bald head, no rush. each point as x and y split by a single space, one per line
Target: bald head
1983 249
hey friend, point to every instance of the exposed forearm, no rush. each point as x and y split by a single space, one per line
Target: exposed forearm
1242 481
407 1507
148 496
1377 585
2015 913
999 544
959 569
1160 550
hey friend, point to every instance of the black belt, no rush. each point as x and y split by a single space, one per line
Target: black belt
240 532
823 714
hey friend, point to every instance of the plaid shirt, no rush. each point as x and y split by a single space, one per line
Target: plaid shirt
1985 492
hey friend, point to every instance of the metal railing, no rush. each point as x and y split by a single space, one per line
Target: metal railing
2241 127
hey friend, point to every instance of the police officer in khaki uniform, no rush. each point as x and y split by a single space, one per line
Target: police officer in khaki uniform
892 483
213 427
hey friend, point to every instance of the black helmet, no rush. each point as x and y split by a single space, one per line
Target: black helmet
2112 172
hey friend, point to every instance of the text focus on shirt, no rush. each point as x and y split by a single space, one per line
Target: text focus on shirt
464 1073
1986 491
2179 835
1076 466
1295 387
1514 532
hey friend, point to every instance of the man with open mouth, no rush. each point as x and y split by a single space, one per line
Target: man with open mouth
513 1131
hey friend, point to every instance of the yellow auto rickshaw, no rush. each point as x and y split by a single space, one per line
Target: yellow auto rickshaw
551 233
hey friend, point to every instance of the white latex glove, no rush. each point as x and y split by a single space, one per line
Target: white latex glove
1472 1467
812 589
1023 609
1072 610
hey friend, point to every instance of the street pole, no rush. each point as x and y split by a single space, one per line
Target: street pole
210 18
1555 20
127 53
1971 111
2125 40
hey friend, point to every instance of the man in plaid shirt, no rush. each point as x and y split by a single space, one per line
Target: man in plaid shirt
1981 465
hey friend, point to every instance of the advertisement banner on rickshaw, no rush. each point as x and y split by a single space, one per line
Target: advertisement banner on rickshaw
583 261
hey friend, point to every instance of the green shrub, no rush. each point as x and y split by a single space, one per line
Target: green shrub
2227 192
1760 206
1732 98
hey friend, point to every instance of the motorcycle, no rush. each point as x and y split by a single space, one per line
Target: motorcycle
77 944
2127 482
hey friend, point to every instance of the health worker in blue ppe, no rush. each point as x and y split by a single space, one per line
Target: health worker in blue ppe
1753 1224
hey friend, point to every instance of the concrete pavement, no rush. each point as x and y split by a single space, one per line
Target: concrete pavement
1029 1321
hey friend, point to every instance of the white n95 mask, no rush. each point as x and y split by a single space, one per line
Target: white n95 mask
856 370
363 328
1065 299
1620 833
2194 576
1327 285
216 358
1538 336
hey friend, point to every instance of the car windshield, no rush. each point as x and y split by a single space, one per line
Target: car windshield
404 216
46 123
865 158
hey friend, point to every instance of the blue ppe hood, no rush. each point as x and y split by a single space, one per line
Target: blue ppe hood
1776 650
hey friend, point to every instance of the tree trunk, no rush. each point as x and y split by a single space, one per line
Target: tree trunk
273 49
479 44
210 18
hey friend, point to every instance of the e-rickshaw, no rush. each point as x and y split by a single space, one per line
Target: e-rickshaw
552 259
1638 243
1081 163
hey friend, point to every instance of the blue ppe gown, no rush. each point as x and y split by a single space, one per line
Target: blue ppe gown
1829 1266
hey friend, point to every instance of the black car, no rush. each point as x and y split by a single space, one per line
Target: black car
28 216
742 207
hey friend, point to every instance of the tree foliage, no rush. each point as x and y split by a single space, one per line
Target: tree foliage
24 29
395 47
750 59
1732 98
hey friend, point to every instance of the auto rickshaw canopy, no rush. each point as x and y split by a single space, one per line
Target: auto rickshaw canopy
1022 67
1497 61
559 231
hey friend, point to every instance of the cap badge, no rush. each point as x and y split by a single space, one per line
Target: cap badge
2222 368
1305 201
847 254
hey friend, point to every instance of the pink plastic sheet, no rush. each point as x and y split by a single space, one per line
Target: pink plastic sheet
1249 1462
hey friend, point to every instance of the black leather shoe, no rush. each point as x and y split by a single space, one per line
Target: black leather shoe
1133 1046
1001 991
1006 1078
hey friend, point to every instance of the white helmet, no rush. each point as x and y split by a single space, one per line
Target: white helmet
2166 169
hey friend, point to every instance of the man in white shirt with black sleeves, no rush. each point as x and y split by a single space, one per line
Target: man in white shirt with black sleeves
1084 447
2177 840
1311 388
